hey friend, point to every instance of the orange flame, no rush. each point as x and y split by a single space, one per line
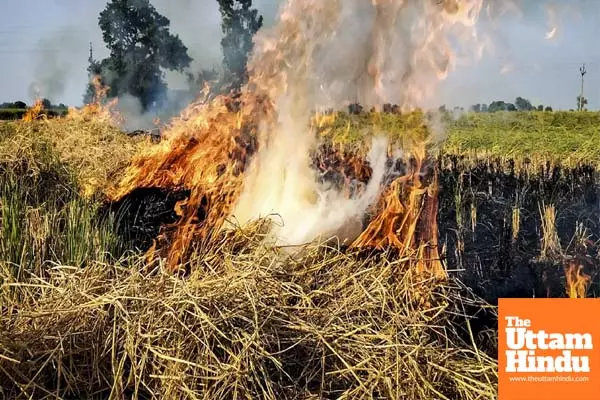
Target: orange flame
204 151
35 112
409 226
207 150
577 281
99 110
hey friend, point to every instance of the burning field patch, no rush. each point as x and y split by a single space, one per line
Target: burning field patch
271 246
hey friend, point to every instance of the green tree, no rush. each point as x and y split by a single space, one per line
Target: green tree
239 24
548 109
523 104
497 105
540 107
141 47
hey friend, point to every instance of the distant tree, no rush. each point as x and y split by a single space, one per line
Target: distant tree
442 108
47 104
239 24
140 46
511 107
476 108
581 103
355 108
484 108
497 105
523 104
548 109
540 107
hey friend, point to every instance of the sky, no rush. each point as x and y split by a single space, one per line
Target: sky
44 48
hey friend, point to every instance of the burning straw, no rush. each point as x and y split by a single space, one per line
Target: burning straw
249 157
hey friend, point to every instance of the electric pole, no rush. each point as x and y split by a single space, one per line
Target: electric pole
582 71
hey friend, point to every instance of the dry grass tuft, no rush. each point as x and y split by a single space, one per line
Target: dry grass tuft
93 151
249 322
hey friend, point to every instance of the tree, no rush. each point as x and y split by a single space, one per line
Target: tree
239 24
47 104
484 108
523 104
476 108
355 108
497 105
548 109
540 107
140 46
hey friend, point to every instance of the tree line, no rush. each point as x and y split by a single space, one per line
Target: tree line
142 47
520 104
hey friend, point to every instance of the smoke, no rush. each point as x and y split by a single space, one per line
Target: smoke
324 54
55 64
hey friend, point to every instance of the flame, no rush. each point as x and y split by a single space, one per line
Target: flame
205 151
251 155
35 112
100 109
577 281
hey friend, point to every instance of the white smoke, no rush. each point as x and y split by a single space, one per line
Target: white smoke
325 54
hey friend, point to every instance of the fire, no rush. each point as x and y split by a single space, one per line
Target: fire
205 151
99 109
35 112
577 281
252 155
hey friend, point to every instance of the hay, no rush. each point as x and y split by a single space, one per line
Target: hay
249 322
93 152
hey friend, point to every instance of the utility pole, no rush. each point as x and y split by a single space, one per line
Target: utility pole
582 71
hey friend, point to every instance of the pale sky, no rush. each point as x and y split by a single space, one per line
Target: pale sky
45 44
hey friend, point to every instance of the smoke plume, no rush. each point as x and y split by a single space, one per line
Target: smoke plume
324 54
55 65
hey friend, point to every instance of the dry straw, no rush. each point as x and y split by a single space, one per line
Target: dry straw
249 322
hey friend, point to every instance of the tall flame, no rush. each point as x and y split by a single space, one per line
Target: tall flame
248 157
100 109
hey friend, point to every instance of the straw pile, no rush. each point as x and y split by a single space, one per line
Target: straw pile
249 322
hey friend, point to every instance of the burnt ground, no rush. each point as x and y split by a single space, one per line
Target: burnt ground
493 263
142 213
475 220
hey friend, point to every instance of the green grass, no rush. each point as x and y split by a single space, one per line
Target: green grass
565 137
568 137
